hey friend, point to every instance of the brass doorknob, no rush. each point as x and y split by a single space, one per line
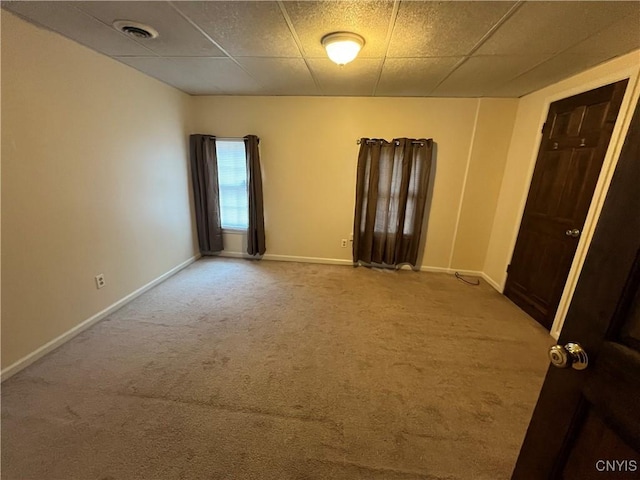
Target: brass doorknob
571 355
574 232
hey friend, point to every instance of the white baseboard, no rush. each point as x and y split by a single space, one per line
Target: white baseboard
338 261
493 283
287 258
473 273
435 269
470 273
69 334
451 271
291 258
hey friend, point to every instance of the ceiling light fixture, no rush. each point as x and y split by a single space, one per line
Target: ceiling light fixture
342 47
135 29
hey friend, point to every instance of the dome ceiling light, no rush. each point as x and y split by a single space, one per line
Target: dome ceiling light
342 47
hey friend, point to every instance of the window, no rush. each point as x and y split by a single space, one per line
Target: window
232 180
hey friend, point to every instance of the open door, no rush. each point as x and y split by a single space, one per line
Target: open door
575 138
586 423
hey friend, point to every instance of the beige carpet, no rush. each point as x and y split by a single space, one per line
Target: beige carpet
236 369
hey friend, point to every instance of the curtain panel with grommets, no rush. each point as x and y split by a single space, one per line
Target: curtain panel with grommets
206 193
391 194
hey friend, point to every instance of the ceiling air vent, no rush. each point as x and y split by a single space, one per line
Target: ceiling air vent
135 29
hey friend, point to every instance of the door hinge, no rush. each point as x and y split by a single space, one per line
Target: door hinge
508 268
544 125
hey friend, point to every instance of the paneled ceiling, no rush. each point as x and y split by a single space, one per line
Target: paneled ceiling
413 48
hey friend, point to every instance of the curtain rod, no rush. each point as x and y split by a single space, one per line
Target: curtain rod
227 139
414 142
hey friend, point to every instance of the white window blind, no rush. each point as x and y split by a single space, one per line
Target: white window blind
232 180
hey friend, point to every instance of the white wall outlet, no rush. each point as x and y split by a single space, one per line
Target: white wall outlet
343 243
100 281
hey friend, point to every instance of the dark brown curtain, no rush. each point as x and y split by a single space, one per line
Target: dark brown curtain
255 232
391 194
204 175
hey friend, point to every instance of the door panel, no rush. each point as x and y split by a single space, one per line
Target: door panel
555 169
586 423
577 189
613 387
575 140
600 452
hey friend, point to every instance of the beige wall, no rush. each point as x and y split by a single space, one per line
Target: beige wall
532 110
484 178
94 180
309 154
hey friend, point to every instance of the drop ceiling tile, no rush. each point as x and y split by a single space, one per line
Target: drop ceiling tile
64 18
248 29
434 29
313 20
280 76
413 77
356 78
197 75
551 27
177 37
553 70
585 34
617 39
482 74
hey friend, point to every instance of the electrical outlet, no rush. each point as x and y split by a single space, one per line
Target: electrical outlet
100 281
343 243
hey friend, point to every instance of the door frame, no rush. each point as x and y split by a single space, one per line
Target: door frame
618 135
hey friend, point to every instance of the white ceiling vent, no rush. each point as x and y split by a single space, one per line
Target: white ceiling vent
135 29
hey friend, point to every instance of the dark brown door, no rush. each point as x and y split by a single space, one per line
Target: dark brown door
574 142
587 422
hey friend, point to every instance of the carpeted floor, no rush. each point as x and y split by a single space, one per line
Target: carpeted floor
238 370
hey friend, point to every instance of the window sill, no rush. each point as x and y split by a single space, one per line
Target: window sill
237 231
